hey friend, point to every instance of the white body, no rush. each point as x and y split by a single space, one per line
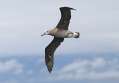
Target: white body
63 33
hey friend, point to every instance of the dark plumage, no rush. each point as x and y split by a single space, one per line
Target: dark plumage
59 32
65 18
49 52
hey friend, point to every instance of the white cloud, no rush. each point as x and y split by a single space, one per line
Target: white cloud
98 68
11 66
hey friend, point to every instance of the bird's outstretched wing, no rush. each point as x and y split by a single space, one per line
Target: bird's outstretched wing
49 52
65 18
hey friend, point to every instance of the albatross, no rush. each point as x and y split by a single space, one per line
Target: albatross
59 32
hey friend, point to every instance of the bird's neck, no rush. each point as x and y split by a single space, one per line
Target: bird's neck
73 35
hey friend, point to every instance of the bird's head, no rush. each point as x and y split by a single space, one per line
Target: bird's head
45 33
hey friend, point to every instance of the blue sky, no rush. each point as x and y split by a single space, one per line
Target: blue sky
93 58
84 68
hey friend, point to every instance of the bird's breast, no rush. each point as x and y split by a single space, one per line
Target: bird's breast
61 34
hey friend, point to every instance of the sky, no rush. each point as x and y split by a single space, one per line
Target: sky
93 58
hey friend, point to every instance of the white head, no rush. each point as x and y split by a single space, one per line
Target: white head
45 33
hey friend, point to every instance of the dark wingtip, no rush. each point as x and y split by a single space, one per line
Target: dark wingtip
73 9
67 8
50 65
50 70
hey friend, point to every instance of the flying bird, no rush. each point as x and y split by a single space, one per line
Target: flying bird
59 32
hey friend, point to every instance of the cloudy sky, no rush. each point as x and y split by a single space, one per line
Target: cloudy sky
93 58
